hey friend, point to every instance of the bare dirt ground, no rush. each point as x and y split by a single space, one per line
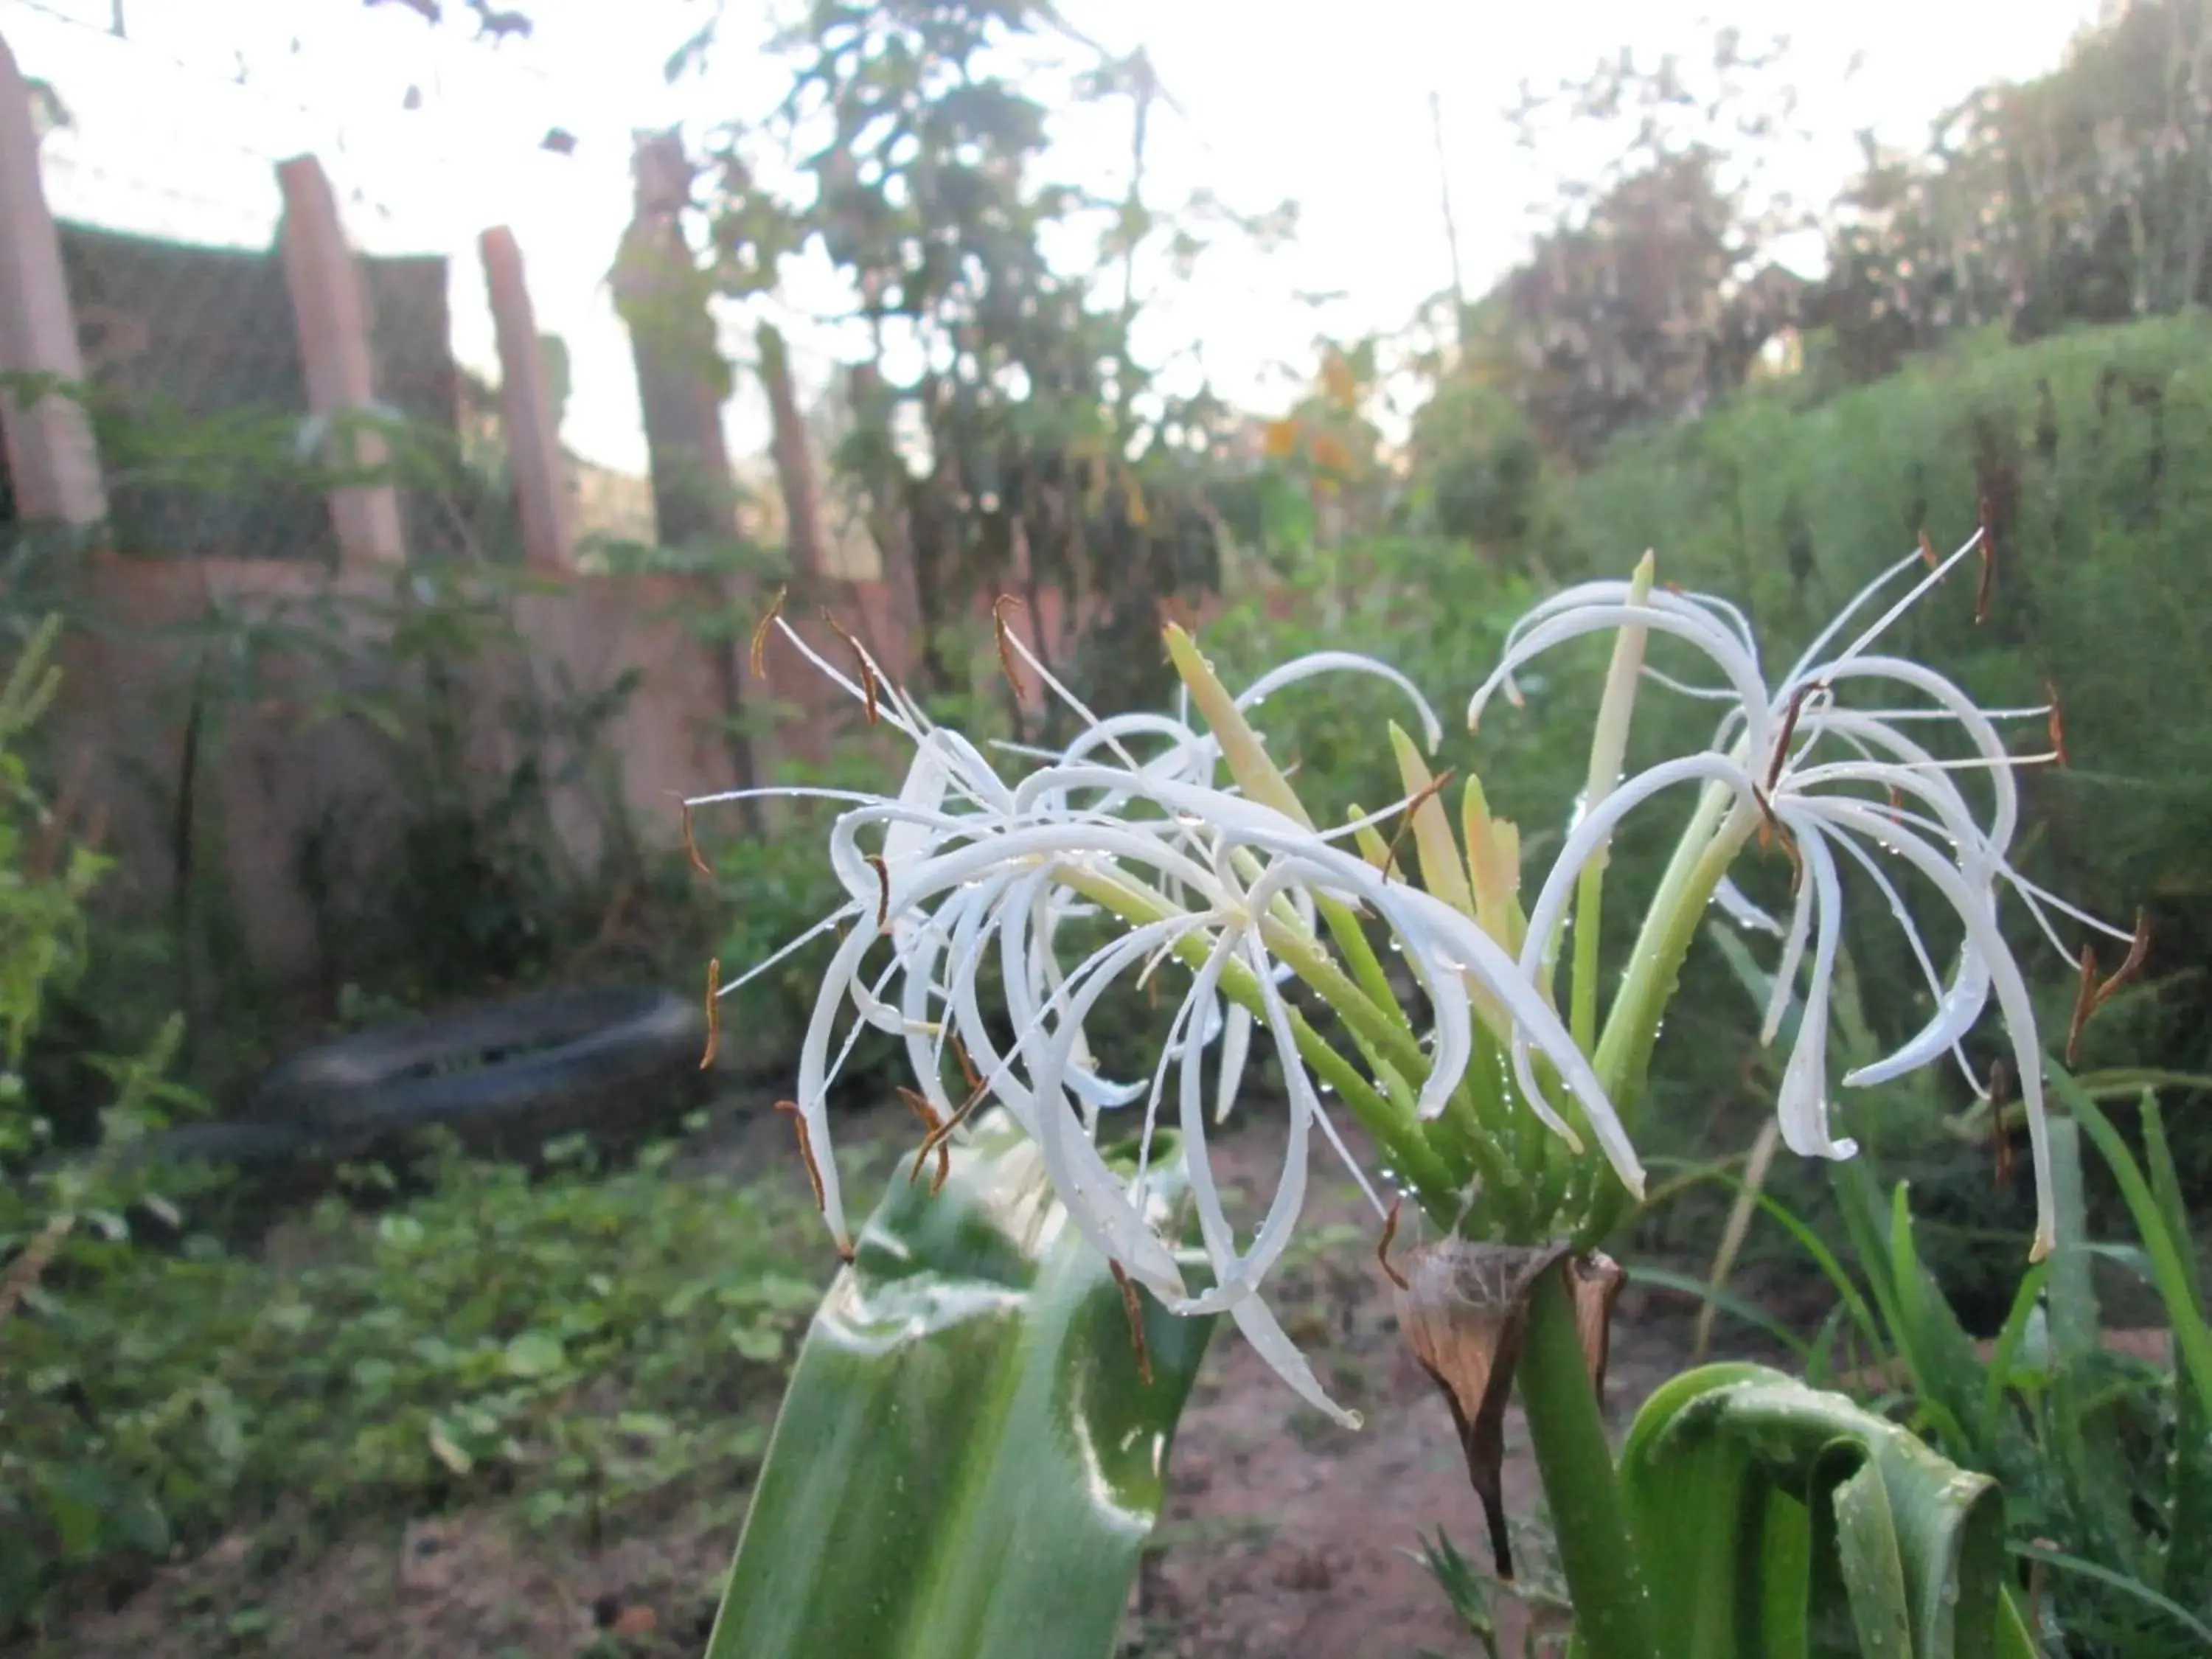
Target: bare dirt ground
1285 1536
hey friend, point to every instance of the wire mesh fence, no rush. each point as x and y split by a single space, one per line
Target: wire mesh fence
161 172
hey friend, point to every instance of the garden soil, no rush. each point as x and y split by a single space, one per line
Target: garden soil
1285 1536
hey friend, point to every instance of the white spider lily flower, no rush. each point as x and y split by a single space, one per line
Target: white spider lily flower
996 875
1887 795
970 873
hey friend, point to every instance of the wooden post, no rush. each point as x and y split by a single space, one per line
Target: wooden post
332 315
51 460
533 435
794 460
683 378
681 381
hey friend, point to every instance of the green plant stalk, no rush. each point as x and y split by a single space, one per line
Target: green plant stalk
1403 1051
1366 967
1398 1133
1709 846
1589 902
2193 1340
1612 1614
1608 747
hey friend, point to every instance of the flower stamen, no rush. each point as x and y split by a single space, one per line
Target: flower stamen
807 1153
1004 637
875 861
2057 723
930 1123
1135 1310
691 841
1988 567
1781 755
713 1013
758 656
1413 804
1383 1245
860 656
2093 993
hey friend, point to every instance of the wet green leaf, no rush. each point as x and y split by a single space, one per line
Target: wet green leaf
967 1460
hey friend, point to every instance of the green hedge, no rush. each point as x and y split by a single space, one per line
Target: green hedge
2094 452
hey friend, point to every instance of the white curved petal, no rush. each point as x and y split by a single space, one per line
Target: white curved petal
1726 652
1737 907
1330 662
1785 971
1801 1105
2011 989
1235 1046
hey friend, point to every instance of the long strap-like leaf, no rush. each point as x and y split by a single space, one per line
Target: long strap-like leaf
968 1461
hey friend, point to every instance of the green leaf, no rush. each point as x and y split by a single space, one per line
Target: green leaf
966 1462
2192 1339
1776 1519
535 1353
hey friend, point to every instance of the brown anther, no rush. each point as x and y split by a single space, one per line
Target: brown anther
713 1013
875 861
2131 964
2094 994
1383 1245
813 1169
931 1123
1988 567
1768 824
2057 723
1771 830
1928 551
2000 1086
975 1079
942 1131
1135 1310
1421 796
758 656
2085 1004
1789 730
690 845
1004 638
860 659
1896 804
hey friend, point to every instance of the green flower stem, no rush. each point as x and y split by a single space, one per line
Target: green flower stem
1709 846
1366 967
1590 899
1398 1133
1402 1049
1608 748
1613 1613
1716 834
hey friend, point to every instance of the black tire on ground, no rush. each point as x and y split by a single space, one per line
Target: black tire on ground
251 1148
504 1077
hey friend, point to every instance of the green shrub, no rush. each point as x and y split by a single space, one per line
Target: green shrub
575 1343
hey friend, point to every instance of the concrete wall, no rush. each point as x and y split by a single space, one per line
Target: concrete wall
274 647
292 798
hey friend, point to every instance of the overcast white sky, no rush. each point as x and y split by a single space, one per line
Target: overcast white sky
176 127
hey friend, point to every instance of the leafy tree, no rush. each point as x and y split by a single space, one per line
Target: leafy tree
2085 195
1650 291
1003 430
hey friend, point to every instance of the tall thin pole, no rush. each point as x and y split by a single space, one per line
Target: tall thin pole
1451 224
